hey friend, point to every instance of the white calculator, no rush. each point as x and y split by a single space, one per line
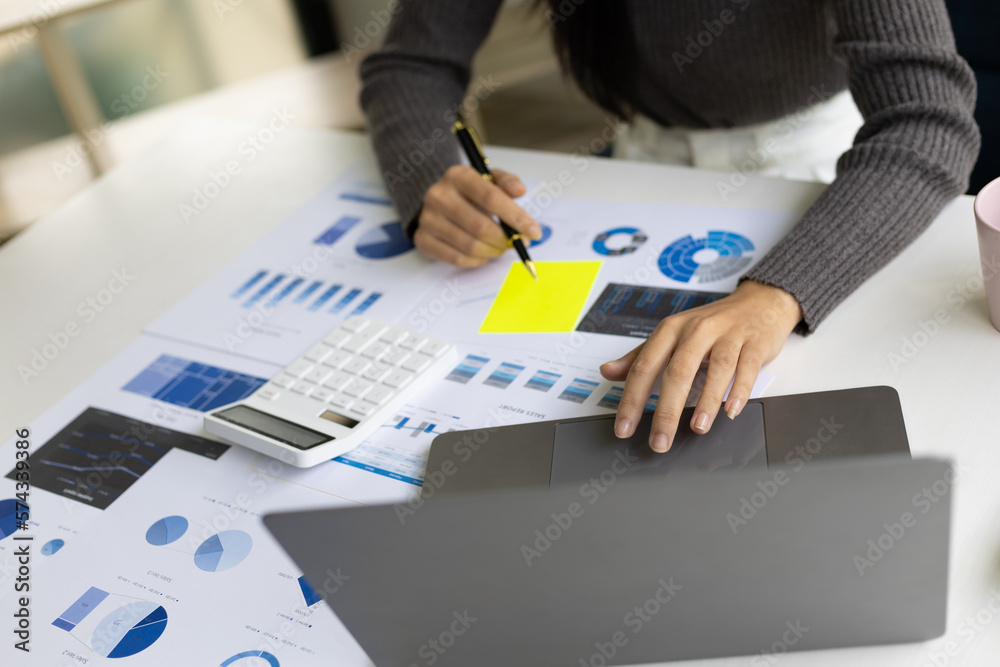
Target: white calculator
331 398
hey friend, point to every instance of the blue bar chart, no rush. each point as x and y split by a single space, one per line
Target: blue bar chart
285 291
308 292
367 303
270 290
264 291
80 609
631 310
339 228
467 369
611 399
579 390
192 385
345 300
249 284
542 381
504 374
324 297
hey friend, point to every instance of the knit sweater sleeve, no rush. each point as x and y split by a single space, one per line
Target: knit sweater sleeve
914 152
412 88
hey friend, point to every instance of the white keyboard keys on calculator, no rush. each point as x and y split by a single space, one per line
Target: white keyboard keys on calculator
327 401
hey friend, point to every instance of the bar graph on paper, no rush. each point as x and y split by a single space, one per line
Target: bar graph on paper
399 448
270 289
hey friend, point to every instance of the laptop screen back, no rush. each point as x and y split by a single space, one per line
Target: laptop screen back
585 450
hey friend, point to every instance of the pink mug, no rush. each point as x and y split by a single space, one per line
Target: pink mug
987 209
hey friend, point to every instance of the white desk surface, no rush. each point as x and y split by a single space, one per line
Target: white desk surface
128 220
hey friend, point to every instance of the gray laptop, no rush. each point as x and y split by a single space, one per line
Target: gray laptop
621 570
779 430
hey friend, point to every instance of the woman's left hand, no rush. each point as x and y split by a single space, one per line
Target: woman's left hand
736 334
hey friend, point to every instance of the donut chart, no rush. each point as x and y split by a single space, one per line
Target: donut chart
617 248
251 659
733 255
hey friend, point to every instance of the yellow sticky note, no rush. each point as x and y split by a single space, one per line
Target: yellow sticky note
551 305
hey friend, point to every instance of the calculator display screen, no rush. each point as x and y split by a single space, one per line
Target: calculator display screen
273 427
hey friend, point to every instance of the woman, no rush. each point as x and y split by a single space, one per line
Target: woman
681 71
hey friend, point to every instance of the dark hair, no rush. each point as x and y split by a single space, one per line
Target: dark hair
595 44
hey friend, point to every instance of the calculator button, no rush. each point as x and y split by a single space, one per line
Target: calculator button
318 352
302 387
341 401
412 342
363 408
395 356
337 380
376 372
298 368
269 393
375 350
318 374
417 363
393 335
322 394
358 342
379 394
336 338
354 324
356 366
357 388
398 379
283 380
435 348
337 359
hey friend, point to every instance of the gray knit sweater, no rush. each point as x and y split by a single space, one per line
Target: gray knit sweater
914 152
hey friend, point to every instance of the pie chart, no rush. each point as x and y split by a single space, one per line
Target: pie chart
384 242
546 233
714 257
251 659
129 629
8 517
52 546
626 240
166 530
223 551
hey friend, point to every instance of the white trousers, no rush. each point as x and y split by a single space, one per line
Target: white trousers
803 146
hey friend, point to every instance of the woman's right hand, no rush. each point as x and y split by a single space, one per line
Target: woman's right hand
455 223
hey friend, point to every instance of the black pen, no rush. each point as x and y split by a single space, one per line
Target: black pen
473 151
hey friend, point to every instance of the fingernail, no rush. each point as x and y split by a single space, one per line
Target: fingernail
535 232
659 443
701 421
734 409
623 428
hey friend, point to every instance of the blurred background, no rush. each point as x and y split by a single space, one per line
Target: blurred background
87 84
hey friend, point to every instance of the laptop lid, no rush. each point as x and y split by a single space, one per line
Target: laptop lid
619 571
776 430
